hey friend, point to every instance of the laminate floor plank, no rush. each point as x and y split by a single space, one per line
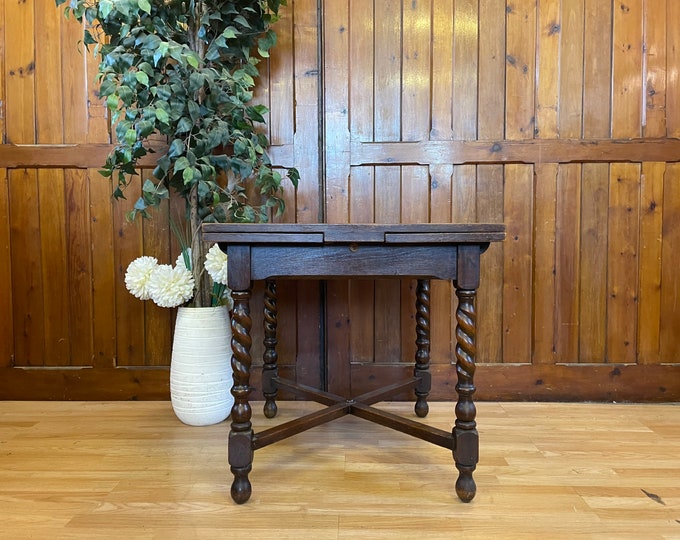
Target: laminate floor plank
131 470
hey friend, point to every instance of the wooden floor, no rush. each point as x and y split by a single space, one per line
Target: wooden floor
132 471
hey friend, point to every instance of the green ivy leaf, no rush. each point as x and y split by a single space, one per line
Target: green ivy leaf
142 78
188 175
145 6
105 7
130 136
193 60
112 102
162 115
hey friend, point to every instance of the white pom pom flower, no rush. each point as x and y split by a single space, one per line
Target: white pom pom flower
171 287
138 275
180 259
216 264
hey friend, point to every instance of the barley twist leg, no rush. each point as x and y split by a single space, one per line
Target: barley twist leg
270 369
241 434
466 450
422 367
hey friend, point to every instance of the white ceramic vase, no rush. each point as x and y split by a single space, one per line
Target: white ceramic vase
200 369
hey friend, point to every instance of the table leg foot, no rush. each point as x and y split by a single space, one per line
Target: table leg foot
466 489
270 409
241 488
422 408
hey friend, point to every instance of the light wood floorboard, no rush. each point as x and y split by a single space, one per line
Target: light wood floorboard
131 470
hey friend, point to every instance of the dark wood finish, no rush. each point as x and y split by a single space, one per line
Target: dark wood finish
422 368
270 356
264 252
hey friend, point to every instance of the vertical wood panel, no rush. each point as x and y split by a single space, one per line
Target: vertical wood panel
490 183
103 270
670 282
336 60
547 68
415 126
102 229
597 69
622 276
440 203
464 118
568 209
157 320
517 275
388 184
520 61
54 246
80 266
77 193
651 234
518 191
654 61
129 310
336 39
490 125
627 69
54 249
27 285
281 88
568 250
361 195
20 73
3 76
548 78
624 192
595 181
593 271
74 79
672 69
443 102
571 68
307 108
544 263
7 328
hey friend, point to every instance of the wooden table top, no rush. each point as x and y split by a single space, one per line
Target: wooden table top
324 233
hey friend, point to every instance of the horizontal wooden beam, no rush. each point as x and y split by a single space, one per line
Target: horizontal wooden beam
92 156
540 382
495 382
101 384
525 151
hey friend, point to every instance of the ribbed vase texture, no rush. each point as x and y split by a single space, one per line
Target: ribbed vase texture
200 369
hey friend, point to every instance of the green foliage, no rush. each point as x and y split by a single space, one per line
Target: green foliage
185 70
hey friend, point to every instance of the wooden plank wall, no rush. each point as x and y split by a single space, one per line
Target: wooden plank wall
560 118
557 117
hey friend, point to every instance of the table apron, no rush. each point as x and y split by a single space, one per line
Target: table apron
354 260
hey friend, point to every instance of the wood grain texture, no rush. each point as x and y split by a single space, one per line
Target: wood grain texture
111 476
521 112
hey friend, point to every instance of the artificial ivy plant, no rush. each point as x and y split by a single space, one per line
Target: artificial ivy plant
185 70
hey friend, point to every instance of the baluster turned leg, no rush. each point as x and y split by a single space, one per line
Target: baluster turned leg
422 368
270 368
466 452
241 434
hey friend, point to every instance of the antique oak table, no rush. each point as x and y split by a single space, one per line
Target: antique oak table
272 252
